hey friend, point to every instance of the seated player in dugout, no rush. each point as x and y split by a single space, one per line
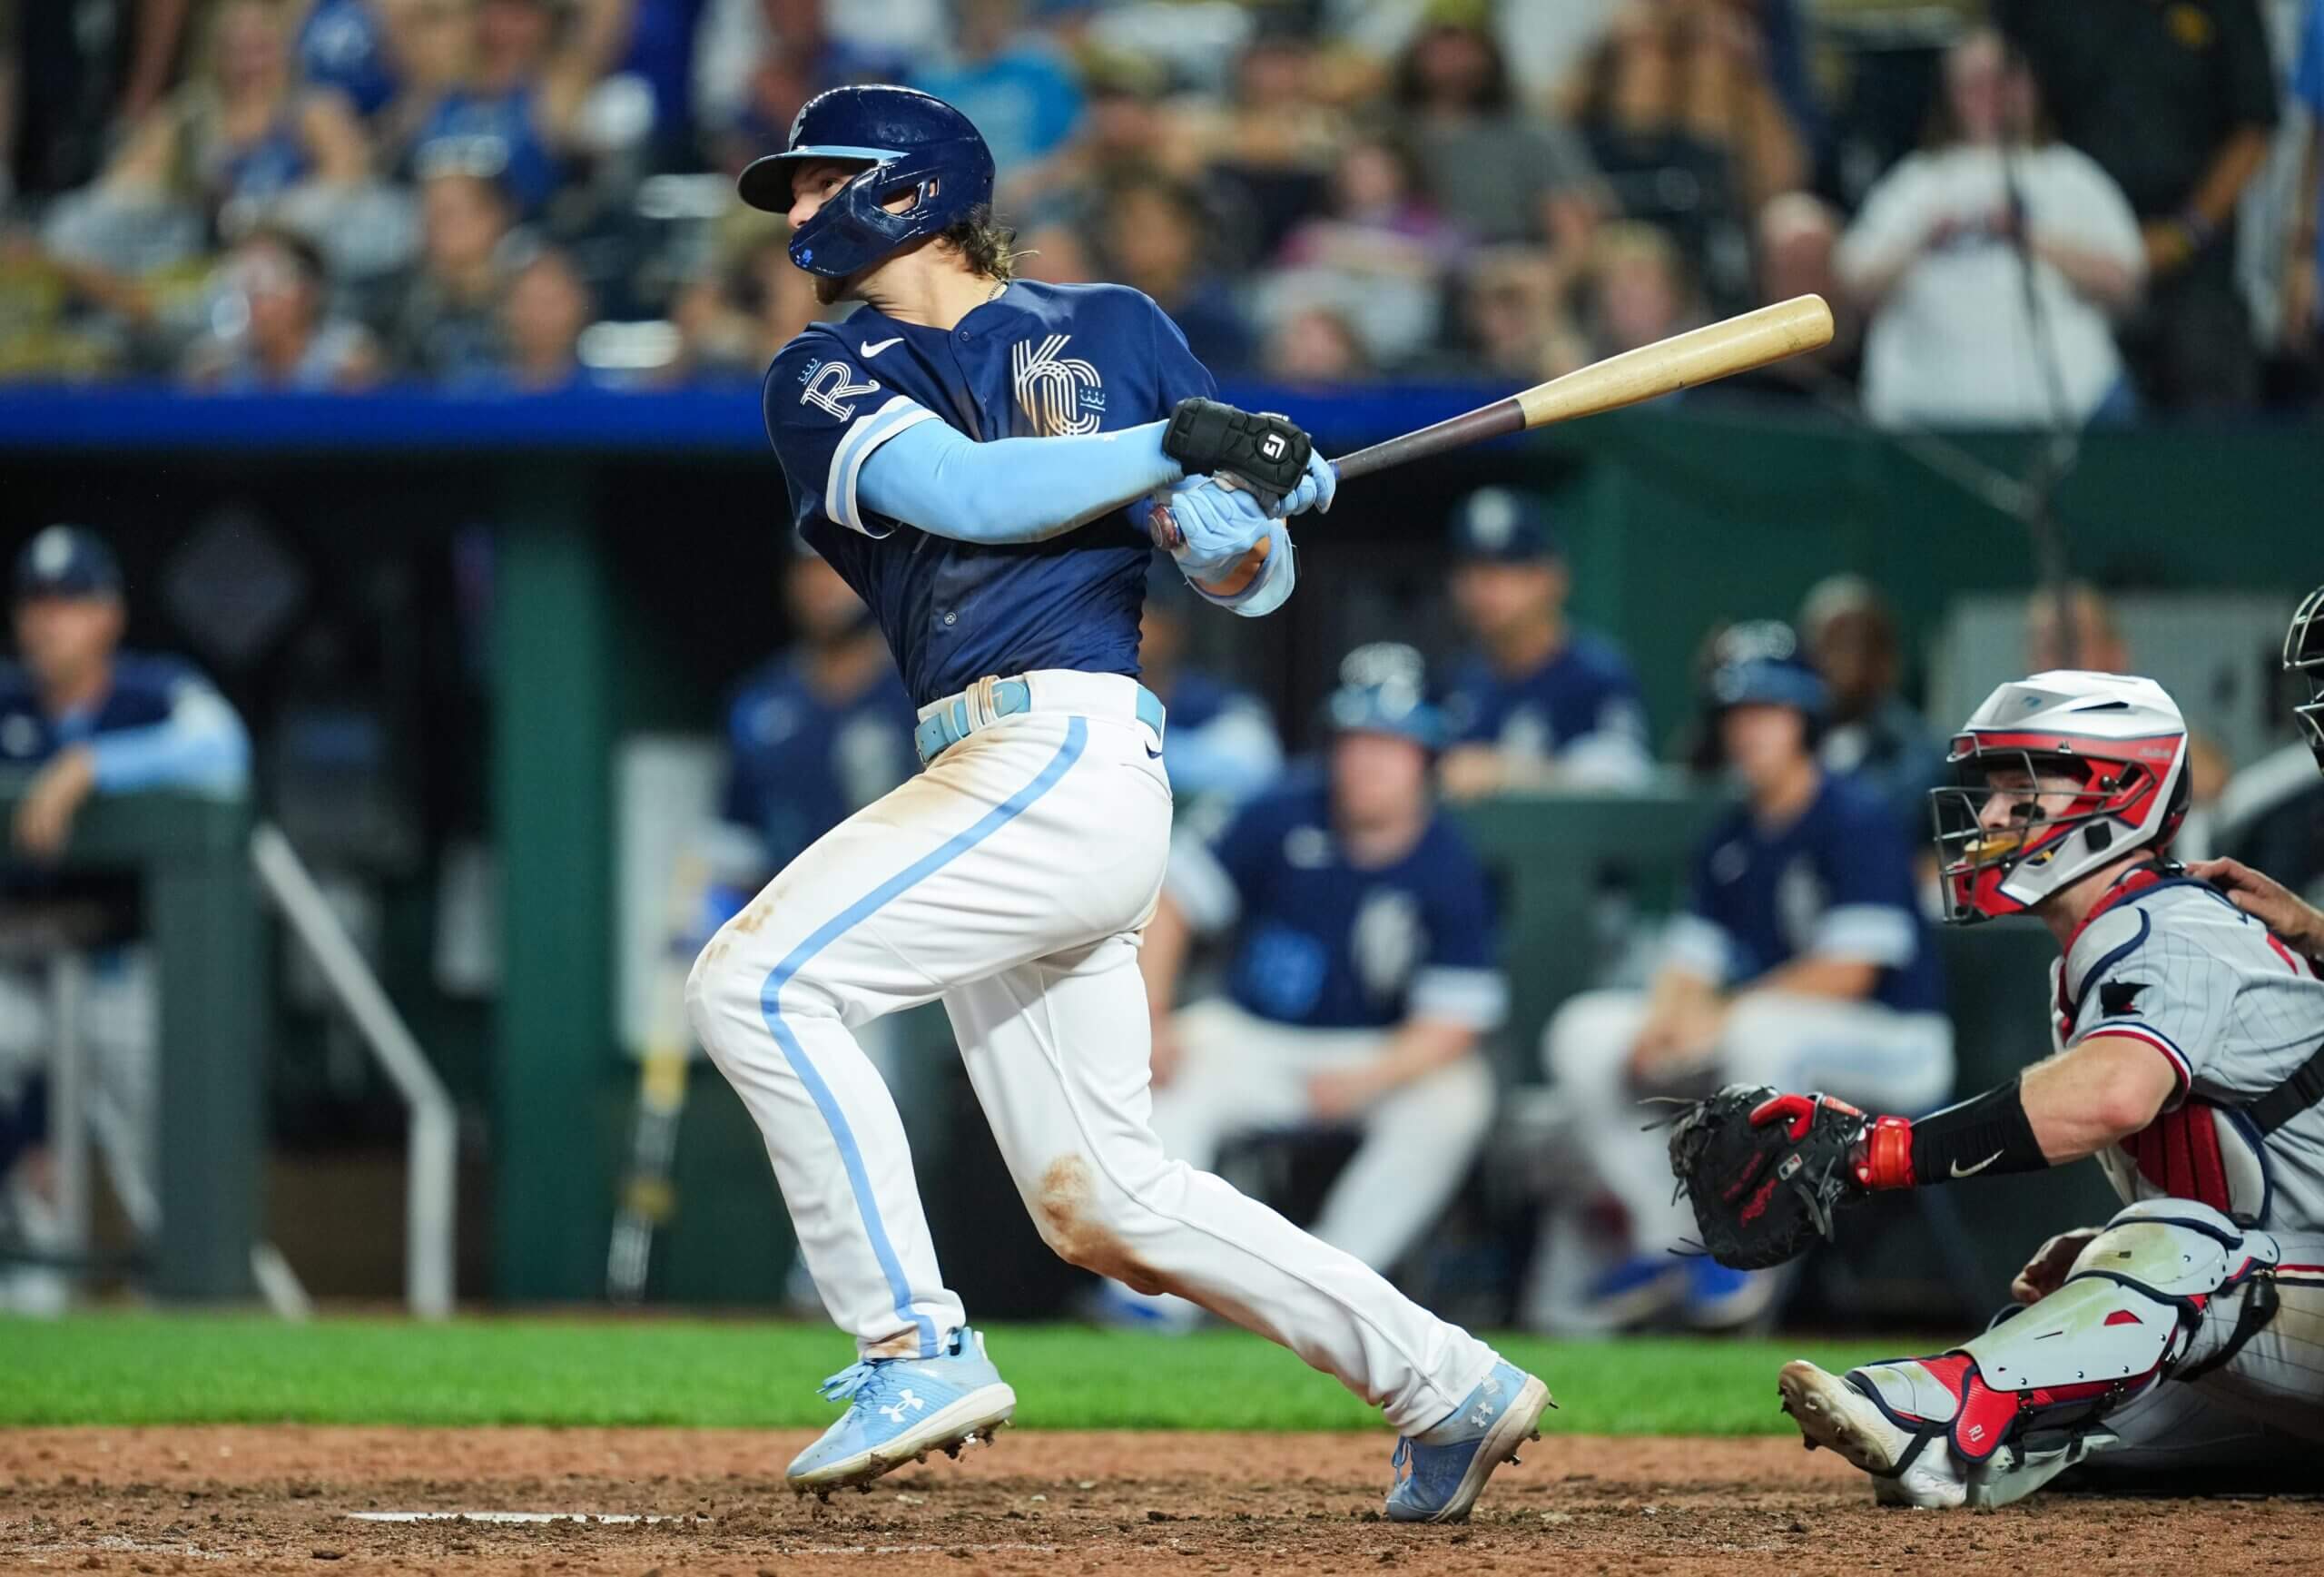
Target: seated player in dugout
1537 703
1801 961
2187 1332
1362 977
85 719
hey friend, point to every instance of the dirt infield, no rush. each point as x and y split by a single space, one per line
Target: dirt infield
280 1499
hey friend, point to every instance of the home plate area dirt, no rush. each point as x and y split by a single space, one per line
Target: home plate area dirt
283 1499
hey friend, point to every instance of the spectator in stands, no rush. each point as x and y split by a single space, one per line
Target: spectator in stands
1269 149
446 327
88 720
2303 326
757 61
1221 746
2176 103
1938 259
1801 955
1848 636
503 83
1362 976
2089 637
1798 233
1515 318
1381 255
1154 236
349 48
546 306
71 77
270 329
1017 88
242 138
1314 346
1636 290
1538 702
732 322
1679 113
1497 173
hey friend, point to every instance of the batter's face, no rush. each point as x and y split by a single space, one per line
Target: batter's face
1378 777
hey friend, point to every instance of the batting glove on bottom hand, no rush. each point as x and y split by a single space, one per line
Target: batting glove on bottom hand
1209 526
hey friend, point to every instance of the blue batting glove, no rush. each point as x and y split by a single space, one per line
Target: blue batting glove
1315 490
1217 525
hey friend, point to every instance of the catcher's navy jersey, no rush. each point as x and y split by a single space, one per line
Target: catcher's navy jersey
802 764
1040 361
1327 944
1836 883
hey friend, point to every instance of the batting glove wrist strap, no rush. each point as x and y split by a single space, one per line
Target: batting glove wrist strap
1266 452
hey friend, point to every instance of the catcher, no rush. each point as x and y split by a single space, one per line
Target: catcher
2191 1327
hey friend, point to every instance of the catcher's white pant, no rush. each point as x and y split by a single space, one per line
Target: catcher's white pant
1240 1074
1011 880
1871 1056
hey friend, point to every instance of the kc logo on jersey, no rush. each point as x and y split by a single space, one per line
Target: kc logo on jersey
832 387
1061 395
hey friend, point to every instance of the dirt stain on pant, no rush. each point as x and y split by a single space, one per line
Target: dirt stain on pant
1066 1210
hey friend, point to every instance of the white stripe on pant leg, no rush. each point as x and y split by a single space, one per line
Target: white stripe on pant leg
1106 1199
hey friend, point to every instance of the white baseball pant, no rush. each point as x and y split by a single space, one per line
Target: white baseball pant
1010 879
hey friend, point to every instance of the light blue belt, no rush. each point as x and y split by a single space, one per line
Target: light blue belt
948 725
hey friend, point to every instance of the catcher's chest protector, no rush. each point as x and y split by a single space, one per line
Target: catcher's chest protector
2127 1315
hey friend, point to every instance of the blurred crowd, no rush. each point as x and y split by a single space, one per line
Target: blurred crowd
2045 215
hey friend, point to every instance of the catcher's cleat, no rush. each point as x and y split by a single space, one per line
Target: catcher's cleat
900 1409
1441 1471
1907 1468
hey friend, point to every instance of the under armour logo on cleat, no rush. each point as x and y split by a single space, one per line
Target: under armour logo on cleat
895 1410
1481 1417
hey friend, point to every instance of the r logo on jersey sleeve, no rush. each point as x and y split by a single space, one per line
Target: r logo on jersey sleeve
826 416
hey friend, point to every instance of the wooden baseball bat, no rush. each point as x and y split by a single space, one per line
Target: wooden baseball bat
1701 355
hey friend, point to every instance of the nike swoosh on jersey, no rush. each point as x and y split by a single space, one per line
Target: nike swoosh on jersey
1961 1171
879 345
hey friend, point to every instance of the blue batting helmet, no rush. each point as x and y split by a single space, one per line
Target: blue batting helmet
913 143
1383 690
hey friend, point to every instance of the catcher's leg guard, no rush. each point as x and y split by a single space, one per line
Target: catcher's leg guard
2023 1401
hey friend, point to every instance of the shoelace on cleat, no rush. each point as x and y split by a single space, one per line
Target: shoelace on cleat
850 1382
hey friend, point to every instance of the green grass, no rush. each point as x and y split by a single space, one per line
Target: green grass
140 1369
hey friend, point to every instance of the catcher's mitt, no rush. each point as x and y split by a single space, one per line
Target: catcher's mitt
1758 1191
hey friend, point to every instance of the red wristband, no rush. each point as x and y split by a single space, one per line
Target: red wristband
1888 1160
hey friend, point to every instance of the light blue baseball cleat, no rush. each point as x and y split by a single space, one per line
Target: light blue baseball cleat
900 1409
1441 1471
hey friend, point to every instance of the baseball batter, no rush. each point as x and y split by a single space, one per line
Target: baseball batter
988 463
2191 1327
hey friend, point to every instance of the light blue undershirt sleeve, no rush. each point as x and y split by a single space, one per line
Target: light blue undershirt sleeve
202 747
1020 490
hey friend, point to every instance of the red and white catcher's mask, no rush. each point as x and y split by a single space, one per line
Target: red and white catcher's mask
2058 775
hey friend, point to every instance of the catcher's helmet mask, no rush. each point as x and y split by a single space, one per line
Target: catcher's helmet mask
2304 655
2119 793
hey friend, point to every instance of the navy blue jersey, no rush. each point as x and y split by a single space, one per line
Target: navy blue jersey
1581 708
1322 943
160 726
1040 360
1836 882
801 765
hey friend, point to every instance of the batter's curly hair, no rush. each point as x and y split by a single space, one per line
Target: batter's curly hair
985 245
